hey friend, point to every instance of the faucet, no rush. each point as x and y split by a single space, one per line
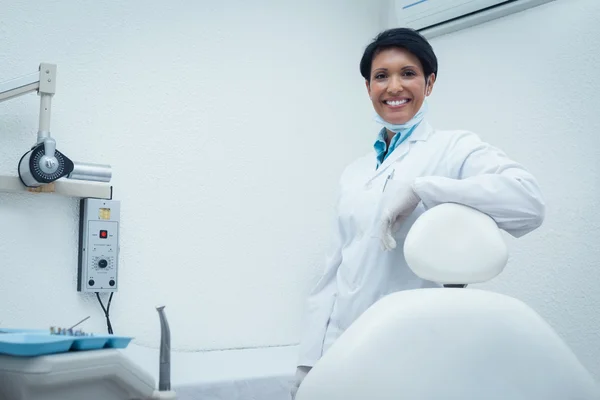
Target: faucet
164 378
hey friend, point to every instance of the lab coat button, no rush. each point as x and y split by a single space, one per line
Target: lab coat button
369 185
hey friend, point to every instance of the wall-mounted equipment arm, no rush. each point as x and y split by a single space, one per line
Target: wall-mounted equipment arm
44 164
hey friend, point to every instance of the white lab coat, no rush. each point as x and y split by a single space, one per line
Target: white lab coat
446 166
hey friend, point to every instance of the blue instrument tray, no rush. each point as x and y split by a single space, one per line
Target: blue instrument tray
31 343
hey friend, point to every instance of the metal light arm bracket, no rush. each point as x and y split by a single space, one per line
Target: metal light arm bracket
44 83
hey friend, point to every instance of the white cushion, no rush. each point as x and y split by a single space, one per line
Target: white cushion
437 344
452 243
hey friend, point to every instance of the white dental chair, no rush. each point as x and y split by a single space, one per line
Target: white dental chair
450 343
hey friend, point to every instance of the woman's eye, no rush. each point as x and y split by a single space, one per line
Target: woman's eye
409 73
380 76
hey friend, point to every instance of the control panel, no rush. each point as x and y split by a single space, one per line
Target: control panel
98 246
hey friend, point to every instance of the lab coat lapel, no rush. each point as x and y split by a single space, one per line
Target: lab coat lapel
421 133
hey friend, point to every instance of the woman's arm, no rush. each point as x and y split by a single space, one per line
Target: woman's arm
488 181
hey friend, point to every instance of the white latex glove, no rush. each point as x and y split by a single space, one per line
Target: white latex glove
301 373
399 200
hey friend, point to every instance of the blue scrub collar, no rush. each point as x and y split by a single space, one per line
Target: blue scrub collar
402 132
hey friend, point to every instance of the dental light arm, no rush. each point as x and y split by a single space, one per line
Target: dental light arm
29 83
44 164
44 82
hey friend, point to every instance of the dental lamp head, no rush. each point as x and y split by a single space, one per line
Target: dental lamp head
43 163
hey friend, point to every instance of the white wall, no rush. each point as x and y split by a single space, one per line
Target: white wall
187 101
529 84
227 124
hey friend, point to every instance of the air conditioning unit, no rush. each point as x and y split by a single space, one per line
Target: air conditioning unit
437 17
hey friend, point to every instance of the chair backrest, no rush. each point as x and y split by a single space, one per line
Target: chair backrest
455 244
432 344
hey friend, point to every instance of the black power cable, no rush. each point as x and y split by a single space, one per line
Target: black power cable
106 311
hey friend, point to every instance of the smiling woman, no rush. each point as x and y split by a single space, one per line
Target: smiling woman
398 80
398 85
414 167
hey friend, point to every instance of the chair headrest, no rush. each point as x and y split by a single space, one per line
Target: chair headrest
455 244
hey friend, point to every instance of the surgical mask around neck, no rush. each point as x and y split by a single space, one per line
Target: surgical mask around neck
396 128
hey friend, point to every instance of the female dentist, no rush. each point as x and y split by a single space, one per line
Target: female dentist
413 167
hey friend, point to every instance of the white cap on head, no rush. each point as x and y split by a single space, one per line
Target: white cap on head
455 244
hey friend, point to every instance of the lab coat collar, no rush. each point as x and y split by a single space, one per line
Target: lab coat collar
421 133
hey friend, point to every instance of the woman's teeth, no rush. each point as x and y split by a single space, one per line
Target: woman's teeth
396 102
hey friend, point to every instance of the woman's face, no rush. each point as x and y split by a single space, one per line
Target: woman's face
397 87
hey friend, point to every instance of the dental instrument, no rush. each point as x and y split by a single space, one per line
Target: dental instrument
164 380
80 322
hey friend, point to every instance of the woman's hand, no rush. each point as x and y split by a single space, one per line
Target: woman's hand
398 202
